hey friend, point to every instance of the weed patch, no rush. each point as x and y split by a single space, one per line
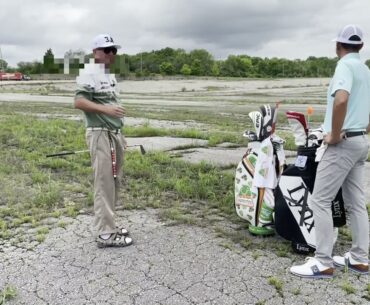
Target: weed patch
8 293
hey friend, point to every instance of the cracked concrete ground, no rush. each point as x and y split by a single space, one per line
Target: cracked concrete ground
169 265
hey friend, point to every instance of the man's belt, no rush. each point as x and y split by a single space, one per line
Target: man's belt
116 131
350 134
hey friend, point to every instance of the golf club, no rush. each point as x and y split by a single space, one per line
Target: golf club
250 135
65 153
274 119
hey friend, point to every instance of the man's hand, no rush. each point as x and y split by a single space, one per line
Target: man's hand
333 139
116 111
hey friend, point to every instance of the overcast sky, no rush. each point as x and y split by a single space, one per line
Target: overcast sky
265 28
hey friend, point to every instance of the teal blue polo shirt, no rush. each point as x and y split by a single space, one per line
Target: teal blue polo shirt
352 76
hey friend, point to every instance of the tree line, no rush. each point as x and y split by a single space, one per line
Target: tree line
199 62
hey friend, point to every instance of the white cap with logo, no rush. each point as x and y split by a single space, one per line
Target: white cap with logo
344 36
104 41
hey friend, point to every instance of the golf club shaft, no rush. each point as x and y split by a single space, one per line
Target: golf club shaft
66 153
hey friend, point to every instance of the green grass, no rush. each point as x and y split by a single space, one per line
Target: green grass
40 238
345 233
156 174
348 287
214 137
8 293
36 187
367 290
277 283
33 185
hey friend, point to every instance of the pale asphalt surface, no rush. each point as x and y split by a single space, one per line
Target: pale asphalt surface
169 265
166 265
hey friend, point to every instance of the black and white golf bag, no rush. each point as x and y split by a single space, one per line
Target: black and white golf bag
293 214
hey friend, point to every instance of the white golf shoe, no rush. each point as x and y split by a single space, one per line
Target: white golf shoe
312 269
347 261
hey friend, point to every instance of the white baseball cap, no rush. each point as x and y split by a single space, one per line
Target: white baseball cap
104 41
347 32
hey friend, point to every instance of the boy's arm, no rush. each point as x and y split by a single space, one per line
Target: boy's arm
89 106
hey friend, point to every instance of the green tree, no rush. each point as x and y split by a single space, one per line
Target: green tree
49 64
185 70
237 66
166 68
3 65
180 59
120 66
201 62
196 67
24 67
215 69
34 67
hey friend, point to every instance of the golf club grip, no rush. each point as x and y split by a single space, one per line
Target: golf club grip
61 154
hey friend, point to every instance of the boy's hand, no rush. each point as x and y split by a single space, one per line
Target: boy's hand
116 111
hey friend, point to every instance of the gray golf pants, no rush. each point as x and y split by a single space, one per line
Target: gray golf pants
105 186
342 165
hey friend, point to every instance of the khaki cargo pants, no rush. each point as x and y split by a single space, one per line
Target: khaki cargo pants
106 188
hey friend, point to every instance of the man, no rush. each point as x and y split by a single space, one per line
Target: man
97 98
343 163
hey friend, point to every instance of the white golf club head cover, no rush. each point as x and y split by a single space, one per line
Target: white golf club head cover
256 118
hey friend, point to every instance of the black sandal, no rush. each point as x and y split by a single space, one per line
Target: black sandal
114 240
122 231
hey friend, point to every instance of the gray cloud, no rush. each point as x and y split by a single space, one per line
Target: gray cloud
280 28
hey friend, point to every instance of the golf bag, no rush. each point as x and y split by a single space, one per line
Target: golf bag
255 203
293 215
252 203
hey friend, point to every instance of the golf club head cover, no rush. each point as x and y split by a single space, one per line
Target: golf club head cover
256 118
315 137
268 117
299 116
297 123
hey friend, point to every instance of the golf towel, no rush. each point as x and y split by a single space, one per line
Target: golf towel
265 172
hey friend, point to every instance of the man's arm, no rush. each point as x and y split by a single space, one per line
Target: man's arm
338 116
89 106
368 126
